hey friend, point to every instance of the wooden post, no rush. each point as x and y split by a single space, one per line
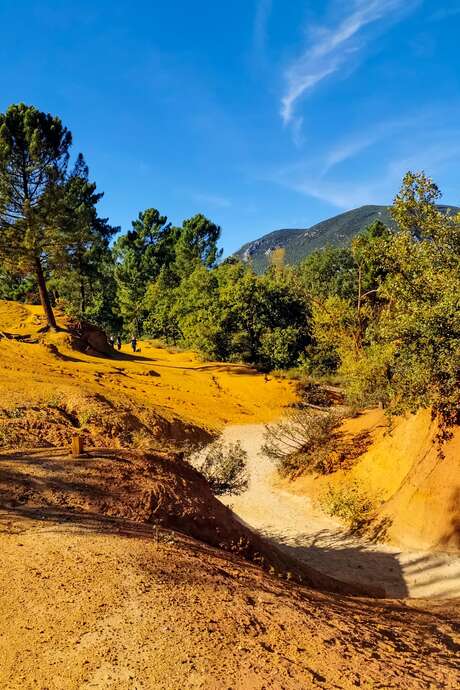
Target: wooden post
77 446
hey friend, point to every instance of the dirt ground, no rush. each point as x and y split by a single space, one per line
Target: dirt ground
120 570
112 604
295 522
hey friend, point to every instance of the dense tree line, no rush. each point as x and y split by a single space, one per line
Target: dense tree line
386 311
382 314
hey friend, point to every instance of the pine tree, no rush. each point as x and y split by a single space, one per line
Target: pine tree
140 256
197 244
83 272
34 155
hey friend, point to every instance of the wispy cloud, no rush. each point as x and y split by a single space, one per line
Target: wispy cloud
331 47
211 200
356 143
429 147
346 149
260 32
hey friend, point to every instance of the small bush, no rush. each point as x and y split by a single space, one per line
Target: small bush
224 467
14 412
349 503
313 394
302 442
142 440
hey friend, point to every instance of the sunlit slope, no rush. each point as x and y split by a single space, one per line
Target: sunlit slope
416 490
420 487
44 381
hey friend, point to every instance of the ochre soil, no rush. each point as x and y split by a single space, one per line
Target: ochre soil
120 570
160 489
49 390
416 491
114 604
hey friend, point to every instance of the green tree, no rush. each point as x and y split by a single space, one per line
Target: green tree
155 248
230 313
83 274
34 154
398 336
414 208
161 304
197 244
140 254
327 272
199 313
342 285
422 289
17 287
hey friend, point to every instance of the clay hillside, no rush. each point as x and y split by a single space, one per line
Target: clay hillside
121 569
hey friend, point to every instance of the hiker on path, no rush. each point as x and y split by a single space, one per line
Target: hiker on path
112 340
134 343
118 342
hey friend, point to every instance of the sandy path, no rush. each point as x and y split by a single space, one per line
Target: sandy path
300 528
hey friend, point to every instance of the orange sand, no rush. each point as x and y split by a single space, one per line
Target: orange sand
417 492
173 384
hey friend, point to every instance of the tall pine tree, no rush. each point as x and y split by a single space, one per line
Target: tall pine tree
34 155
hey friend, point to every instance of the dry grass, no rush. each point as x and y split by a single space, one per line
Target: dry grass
349 502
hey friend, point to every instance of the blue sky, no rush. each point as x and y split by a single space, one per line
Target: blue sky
262 114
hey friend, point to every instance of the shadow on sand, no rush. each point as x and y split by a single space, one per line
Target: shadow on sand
330 553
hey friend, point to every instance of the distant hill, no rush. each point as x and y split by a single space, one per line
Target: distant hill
299 243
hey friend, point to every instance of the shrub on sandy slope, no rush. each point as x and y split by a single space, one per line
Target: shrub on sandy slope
349 503
224 467
302 442
312 440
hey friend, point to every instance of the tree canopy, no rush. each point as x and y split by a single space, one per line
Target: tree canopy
382 314
396 334
49 226
34 155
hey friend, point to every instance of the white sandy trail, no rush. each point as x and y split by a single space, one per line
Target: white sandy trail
321 541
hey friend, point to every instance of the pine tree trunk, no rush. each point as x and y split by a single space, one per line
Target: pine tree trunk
82 298
44 296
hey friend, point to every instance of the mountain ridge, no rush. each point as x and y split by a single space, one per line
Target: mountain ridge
298 243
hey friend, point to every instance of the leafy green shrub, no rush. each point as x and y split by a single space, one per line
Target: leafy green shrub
349 503
279 347
224 467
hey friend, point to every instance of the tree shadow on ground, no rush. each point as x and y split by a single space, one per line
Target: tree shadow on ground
343 558
328 552
215 368
119 356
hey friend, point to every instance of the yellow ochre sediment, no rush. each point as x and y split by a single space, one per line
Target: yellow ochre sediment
175 384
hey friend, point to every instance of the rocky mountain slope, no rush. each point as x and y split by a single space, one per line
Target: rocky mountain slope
299 243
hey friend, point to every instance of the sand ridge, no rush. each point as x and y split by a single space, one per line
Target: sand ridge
52 389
